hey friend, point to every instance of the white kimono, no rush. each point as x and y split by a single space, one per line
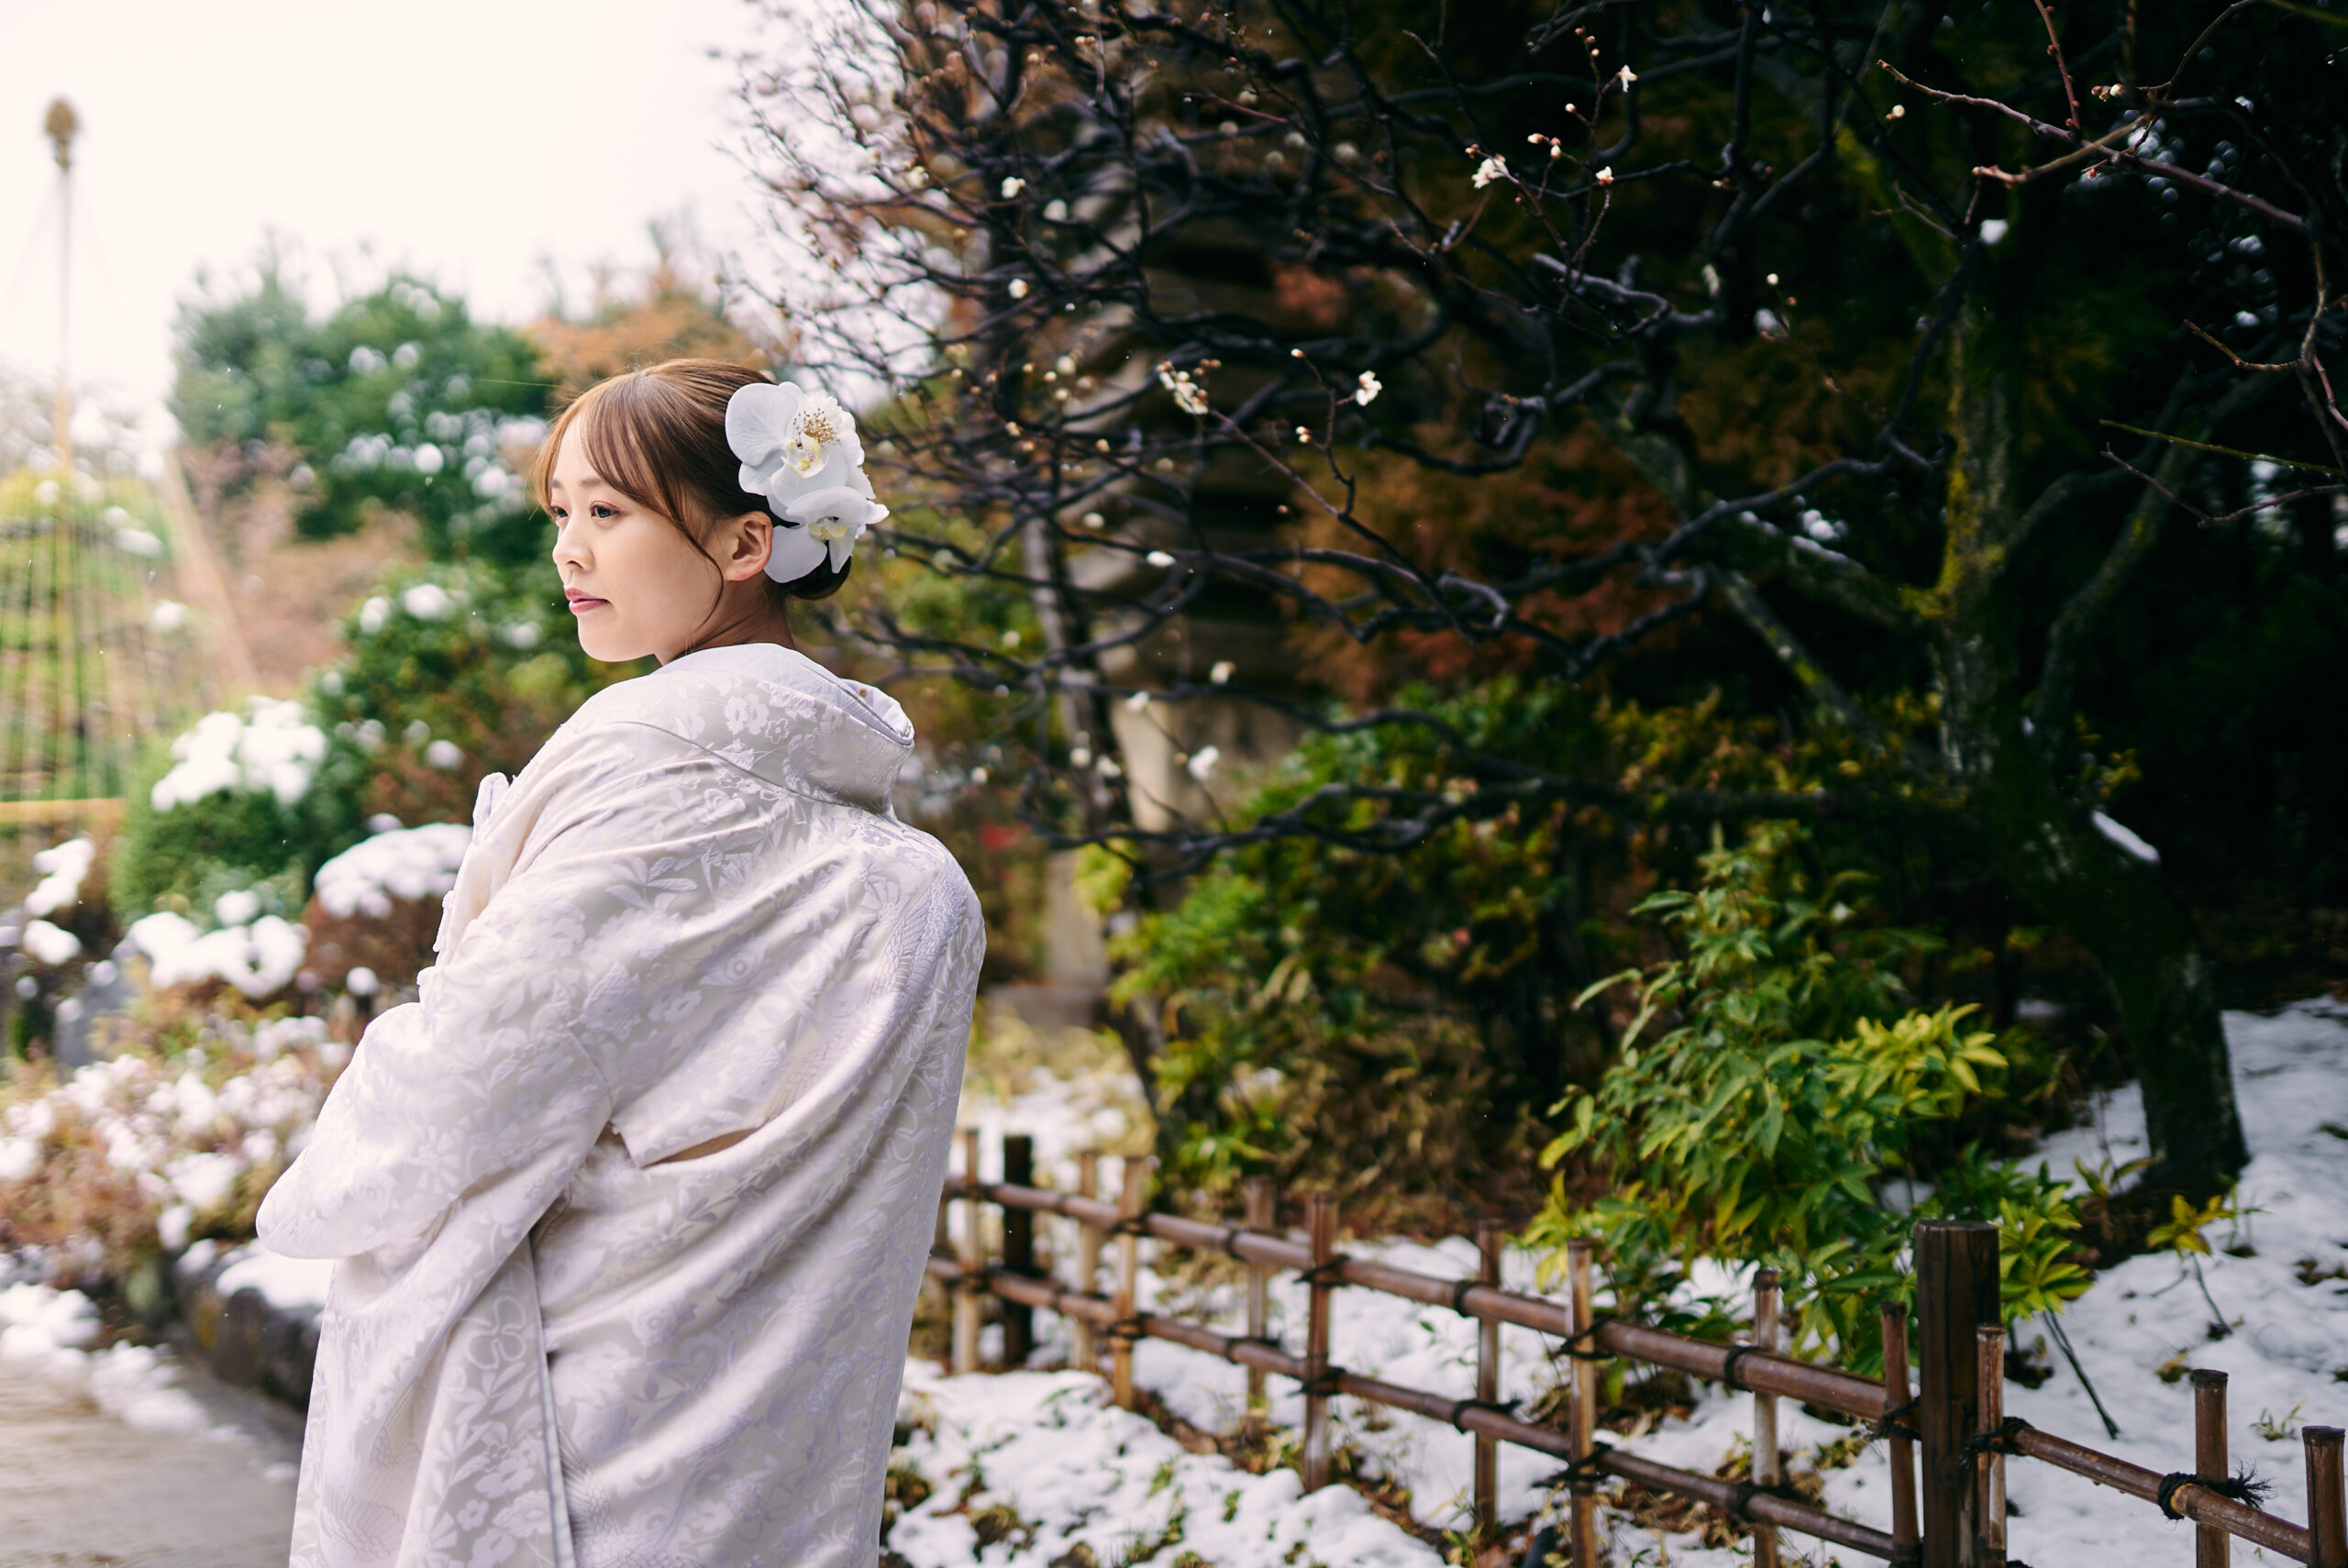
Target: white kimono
632 1204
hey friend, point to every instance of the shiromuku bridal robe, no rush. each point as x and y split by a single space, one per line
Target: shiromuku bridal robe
632 1204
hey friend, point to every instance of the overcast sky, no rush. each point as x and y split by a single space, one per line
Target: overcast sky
465 139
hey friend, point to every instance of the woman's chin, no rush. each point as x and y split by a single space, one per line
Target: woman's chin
598 643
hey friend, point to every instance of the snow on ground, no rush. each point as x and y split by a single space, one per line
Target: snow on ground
1026 1466
1045 1445
51 1332
1038 1461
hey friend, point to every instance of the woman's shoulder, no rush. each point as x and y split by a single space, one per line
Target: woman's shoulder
768 712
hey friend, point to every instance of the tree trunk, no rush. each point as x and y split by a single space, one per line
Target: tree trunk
2038 831
2143 938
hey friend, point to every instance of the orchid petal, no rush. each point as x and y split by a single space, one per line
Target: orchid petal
760 417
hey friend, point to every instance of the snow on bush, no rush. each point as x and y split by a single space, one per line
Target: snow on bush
405 863
49 944
62 867
151 1147
259 955
272 747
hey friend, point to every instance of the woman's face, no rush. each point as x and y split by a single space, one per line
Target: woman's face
635 583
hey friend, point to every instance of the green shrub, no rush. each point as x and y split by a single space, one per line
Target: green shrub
257 800
398 399
453 671
1792 1087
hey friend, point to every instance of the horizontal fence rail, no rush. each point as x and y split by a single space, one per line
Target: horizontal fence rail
1955 1519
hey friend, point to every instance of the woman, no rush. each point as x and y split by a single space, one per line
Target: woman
631 1204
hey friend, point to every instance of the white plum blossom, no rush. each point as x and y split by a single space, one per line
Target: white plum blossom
1221 672
1367 386
1011 186
1160 559
1493 168
1203 763
1190 392
1018 288
1604 176
1137 702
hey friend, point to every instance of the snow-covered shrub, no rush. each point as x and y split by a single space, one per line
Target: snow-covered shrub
177 1136
240 804
454 671
63 925
376 906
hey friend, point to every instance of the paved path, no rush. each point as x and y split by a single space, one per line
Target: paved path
82 1489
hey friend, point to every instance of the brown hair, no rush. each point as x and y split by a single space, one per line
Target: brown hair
657 436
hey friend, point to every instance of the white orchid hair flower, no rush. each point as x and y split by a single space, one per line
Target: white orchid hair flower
799 450
834 518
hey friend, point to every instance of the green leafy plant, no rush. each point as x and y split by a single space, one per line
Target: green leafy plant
1790 1091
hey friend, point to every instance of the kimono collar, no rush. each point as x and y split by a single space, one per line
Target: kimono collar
773 712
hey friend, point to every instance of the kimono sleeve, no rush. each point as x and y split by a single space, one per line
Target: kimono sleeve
484 1092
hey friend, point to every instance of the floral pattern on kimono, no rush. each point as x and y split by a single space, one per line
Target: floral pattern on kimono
630 1205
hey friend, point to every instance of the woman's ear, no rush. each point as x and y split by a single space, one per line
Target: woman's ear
742 546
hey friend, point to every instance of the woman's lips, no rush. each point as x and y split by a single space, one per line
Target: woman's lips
581 602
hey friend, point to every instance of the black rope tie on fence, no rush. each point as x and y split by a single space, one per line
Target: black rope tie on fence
1459 1290
1321 1385
1736 1355
2242 1487
1581 1345
1581 1473
1130 1330
1496 1407
1329 1272
1999 1441
1893 1424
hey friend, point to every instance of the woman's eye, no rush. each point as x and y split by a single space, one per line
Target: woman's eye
602 512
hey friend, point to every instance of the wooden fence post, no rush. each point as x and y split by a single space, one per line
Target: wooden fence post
1767 1469
1582 1428
970 1254
2212 1547
1083 1347
1263 1214
1018 1249
1488 1237
2327 1513
1956 1292
1129 1205
1321 1227
1989 1378
1899 1450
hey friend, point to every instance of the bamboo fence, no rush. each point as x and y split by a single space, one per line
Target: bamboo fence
1948 1438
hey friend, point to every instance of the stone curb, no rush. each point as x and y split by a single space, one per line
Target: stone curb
246 1339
